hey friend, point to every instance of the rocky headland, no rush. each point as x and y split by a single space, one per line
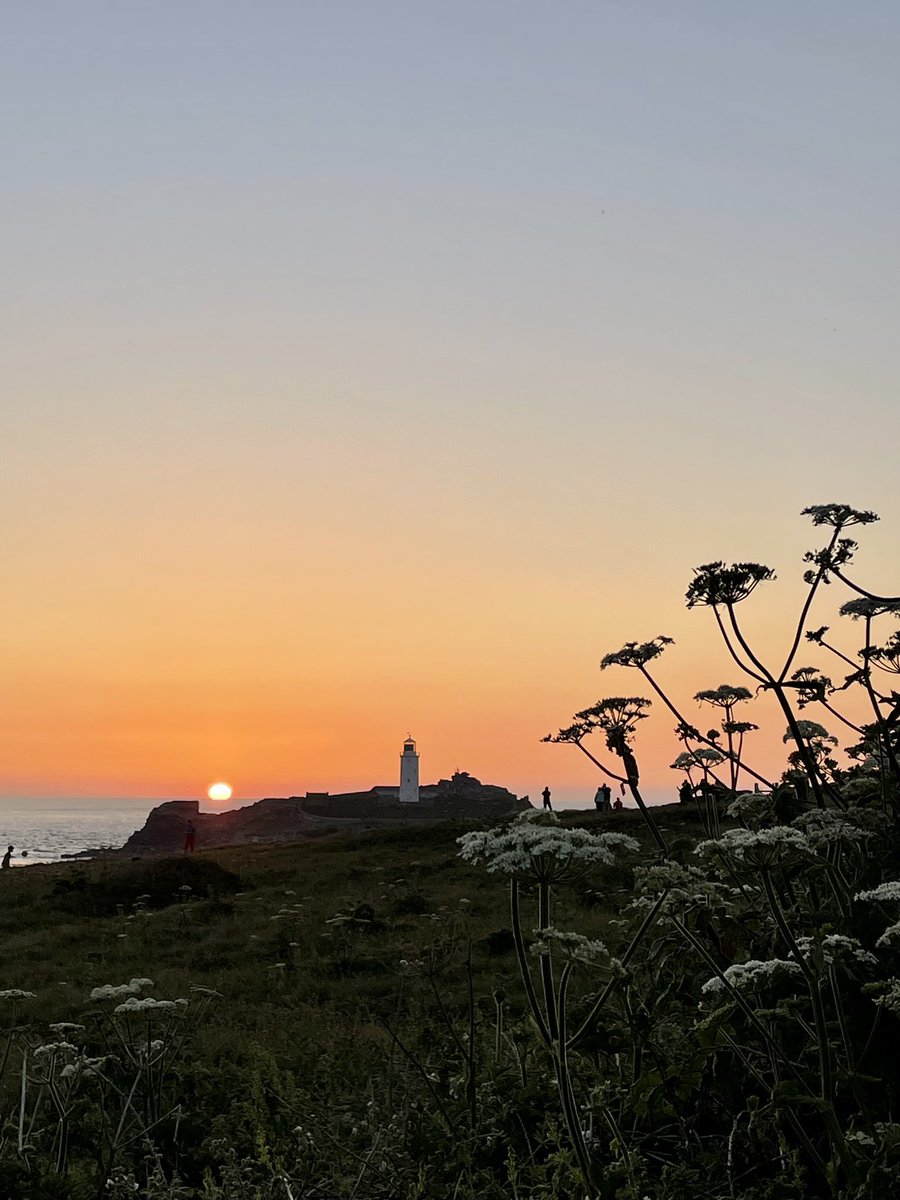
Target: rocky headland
293 818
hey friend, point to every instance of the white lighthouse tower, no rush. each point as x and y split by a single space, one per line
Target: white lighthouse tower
409 773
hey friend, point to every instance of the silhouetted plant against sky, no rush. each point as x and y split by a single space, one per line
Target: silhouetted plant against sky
715 584
638 655
616 717
724 698
798 981
721 588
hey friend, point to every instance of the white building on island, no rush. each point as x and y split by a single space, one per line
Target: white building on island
409 773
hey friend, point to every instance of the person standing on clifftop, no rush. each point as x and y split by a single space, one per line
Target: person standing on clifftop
546 794
189 833
602 798
5 865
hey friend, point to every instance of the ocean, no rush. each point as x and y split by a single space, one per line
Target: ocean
45 831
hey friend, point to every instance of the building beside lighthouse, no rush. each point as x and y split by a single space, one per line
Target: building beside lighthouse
409 773
462 795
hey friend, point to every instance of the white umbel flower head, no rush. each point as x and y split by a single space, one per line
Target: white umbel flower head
761 849
836 950
890 890
752 975
890 995
114 991
147 1004
751 807
891 934
573 947
824 827
527 849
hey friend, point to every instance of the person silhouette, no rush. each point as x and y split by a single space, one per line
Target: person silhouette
602 798
546 794
189 834
5 865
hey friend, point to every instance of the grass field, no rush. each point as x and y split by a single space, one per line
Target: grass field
345 1017
350 975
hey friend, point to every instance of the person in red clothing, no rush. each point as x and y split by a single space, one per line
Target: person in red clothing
189 838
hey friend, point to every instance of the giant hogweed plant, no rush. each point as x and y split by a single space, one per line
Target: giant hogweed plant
119 1065
536 850
738 1044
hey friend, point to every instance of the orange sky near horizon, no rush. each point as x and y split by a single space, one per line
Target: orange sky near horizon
158 691
376 369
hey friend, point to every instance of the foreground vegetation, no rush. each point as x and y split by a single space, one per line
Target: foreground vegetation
367 1029
700 1001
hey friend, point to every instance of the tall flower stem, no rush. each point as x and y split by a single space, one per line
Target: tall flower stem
564 1083
597 763
826 1088
826 1085
588 1022
861 590
547 962
813 587
681 721
883 727
774 685
648 818
736 997
726 637
524 965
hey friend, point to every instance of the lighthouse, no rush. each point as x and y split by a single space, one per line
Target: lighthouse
409 773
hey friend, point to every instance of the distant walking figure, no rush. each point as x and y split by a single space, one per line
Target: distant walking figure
6 857
189 837
602 798
685 792
546 794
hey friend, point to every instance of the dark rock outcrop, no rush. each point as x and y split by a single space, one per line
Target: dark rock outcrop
295 818
462 795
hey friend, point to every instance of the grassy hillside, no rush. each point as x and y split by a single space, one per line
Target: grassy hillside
348 971
347 1017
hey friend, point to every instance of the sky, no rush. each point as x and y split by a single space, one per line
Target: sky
373 369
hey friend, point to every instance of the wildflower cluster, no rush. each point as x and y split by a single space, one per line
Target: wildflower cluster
887 995
753 974
835 949
147 1004
542 851
110 991
751 807
761 849
887 891
825 827
573 947
680 887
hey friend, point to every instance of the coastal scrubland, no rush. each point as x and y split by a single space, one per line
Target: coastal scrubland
343 980
695 1002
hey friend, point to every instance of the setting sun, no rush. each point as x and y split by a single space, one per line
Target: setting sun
219 791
